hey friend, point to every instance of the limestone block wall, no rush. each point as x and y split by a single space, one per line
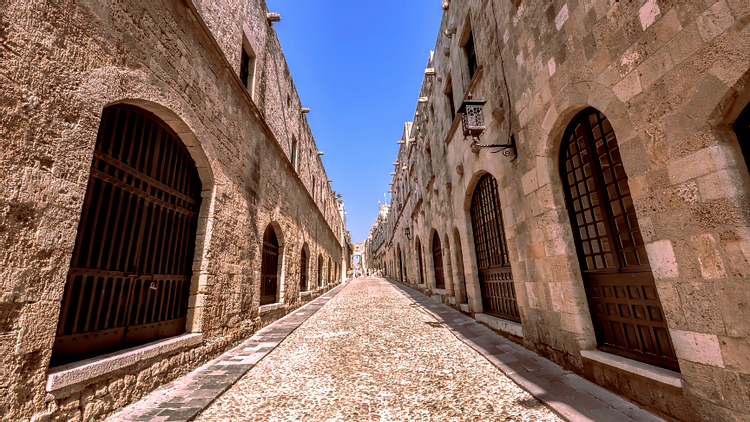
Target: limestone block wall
671 77
62 64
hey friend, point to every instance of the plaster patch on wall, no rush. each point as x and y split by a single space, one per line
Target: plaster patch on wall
552 66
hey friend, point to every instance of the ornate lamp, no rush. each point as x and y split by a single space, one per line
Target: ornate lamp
472 122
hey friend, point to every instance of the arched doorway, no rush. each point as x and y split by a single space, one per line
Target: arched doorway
625 307
330 270
420 261
129 277
303 270
437 259
269 272
495 276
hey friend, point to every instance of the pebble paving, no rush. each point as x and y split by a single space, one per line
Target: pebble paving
372 354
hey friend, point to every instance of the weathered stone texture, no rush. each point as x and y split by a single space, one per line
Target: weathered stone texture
671 77
61 64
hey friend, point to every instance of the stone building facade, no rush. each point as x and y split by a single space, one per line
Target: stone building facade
617 242
162 197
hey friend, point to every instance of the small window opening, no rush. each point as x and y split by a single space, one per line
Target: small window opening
294 153
471 55
247 66
449 94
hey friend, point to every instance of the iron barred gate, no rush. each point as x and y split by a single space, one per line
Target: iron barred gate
495 277
130 273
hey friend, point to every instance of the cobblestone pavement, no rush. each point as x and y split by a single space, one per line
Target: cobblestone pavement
373 354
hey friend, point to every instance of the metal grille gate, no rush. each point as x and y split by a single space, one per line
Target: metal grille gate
437 259
625 307
495 277
130 274
269 267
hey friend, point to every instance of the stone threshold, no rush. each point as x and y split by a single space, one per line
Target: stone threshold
664 376
86 370
569 395
183 399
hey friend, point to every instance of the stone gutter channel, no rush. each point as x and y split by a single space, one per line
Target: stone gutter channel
570 396
184 398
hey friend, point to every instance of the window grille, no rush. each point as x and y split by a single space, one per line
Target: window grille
129 277
495 276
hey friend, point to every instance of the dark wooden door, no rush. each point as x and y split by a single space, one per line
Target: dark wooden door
419 262
269 267
625 307
437 259
495 276
320 271
400 265
303 272
129 277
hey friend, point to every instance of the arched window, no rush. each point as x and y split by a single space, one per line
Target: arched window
437 259
129 278
625 307
269 273
495 276
303 270
420 261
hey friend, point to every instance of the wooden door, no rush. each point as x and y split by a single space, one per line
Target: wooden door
625 306
495 276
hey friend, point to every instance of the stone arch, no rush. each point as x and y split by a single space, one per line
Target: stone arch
471 186
435 253
133 87
400 259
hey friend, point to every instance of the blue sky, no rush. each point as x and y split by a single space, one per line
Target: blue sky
358 65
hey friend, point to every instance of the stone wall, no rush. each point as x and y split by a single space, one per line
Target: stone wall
62 64
671 77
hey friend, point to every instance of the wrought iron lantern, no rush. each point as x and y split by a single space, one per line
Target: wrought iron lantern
472 121
472 117
407 232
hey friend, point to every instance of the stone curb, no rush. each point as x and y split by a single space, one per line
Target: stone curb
570 396
184 398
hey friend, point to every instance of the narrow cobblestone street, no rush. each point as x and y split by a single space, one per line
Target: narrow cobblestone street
371 354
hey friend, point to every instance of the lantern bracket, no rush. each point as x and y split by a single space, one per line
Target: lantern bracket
506 149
